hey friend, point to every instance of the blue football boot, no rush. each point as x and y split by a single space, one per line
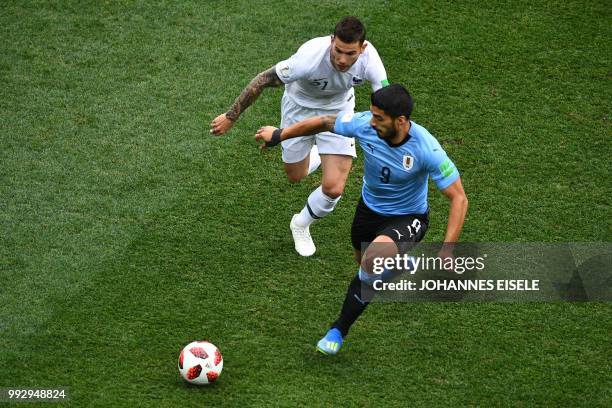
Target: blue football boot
331 343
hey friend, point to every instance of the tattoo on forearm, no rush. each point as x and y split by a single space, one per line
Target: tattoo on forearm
263 80
329 121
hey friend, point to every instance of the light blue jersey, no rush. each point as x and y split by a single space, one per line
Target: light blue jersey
395 176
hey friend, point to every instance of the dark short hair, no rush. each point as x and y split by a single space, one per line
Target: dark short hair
350 30
394 100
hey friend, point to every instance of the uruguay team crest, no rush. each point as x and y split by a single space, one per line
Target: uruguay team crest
408 162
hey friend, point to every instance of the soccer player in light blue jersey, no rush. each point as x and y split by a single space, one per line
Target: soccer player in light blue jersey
400 157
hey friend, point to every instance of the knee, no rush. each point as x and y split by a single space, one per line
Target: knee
381 249
333 190
294 177
295 172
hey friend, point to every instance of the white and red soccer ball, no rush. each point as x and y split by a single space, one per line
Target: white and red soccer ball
200 362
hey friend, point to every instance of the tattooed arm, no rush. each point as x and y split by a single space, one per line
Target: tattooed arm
263 80
224 122
310 126
306 127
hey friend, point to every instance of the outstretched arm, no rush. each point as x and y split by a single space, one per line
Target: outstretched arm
273 136
458 204
224 122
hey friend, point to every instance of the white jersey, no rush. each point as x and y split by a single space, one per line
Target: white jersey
312 81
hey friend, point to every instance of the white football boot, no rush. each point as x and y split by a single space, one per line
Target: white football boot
302 239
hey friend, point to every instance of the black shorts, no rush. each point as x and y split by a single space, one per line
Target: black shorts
405 229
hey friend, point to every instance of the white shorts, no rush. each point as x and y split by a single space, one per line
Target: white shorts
296 149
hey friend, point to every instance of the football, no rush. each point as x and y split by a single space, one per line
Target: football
200 363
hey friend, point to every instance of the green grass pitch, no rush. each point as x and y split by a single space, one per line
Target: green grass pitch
127 231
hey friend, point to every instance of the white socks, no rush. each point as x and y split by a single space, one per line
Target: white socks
315 159
317 206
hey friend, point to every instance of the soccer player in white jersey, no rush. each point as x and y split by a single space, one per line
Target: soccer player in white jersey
319 80
393 214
